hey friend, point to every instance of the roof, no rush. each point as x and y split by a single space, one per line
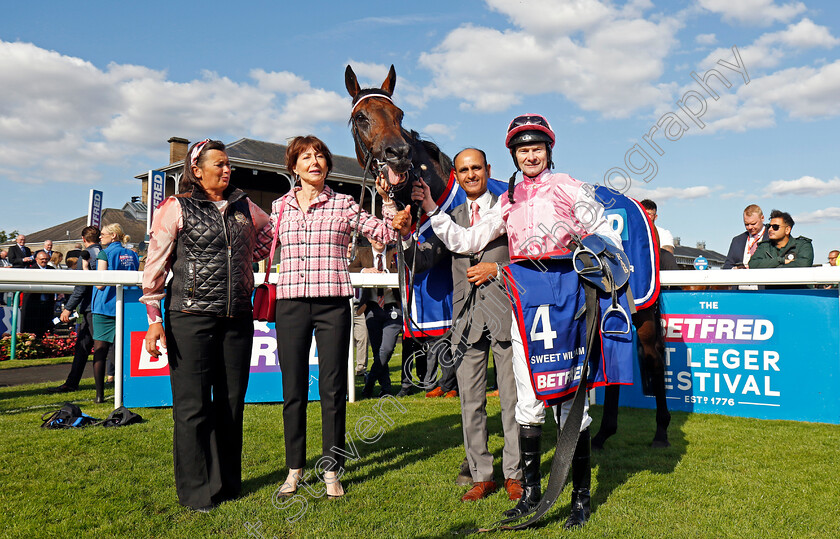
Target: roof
272 156
72 230
270 153
688 254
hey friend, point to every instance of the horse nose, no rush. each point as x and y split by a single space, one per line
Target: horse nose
398 153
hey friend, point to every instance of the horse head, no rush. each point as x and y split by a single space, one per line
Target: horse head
376 122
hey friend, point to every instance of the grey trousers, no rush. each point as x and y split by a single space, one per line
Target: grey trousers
472 384
360 336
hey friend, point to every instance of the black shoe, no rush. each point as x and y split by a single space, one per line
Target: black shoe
581 483
385 391
464 477
99 399
530 499
63 388
404 392
530 453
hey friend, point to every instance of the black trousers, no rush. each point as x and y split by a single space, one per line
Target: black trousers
84 345
295 321
209 361
426 364
383 332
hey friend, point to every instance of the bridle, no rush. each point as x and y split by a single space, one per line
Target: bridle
375 167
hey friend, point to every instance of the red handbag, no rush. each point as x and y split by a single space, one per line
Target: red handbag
265 295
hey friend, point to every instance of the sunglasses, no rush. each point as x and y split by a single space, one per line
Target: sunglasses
775 226
519 121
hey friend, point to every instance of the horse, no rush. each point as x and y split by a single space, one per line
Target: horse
383 146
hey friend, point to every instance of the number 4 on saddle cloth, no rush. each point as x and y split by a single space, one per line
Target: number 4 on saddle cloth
549 303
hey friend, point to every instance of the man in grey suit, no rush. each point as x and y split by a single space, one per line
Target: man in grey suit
484 325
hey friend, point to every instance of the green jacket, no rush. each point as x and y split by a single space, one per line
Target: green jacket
799 250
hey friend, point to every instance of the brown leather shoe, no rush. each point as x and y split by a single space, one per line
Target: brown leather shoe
481 489
513 488
436 392
450 394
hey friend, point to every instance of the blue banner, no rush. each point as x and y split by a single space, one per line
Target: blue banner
156 186
95 209
146 378
770 354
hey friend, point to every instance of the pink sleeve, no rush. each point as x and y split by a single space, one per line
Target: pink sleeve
265 231
373 227
166 224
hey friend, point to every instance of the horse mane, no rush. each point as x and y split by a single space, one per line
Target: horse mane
434 152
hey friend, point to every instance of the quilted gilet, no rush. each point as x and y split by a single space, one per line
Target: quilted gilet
212 270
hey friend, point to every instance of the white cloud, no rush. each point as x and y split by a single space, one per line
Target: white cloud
602 58
808 93
280 81
755 12
665 193
827 215
806 185
705 39
61 118
771 48
372 75
439 129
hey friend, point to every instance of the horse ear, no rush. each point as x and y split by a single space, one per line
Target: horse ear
391 81
350 82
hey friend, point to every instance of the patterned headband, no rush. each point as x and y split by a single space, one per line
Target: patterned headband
197 150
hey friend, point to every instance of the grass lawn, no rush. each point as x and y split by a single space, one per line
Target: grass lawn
17 363
722 477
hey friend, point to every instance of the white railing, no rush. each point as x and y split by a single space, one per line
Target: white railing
61 281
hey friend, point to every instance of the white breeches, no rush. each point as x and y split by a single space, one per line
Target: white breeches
529 409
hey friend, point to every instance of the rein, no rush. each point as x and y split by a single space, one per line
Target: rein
407 289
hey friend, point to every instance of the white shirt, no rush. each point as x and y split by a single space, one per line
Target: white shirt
665 237
492 225
375 259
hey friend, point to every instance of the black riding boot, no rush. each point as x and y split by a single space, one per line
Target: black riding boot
581 481
530 437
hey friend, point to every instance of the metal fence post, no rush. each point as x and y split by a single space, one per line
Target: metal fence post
118 353
15 307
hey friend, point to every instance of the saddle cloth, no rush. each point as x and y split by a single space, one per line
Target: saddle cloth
546 295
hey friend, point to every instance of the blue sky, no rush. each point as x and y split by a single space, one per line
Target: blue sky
92 92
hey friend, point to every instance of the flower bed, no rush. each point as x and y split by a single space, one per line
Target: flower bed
30 347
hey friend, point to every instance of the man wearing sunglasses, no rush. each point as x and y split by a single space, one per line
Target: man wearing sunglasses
781 249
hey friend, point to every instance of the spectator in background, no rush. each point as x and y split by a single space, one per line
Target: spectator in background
744 245
4 259
781 249
115 257
360 332
832 258
81 300
55 260
48 248
37 311
666 239
20 255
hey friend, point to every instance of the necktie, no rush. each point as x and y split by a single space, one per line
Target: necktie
474 217
754 243
381 293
